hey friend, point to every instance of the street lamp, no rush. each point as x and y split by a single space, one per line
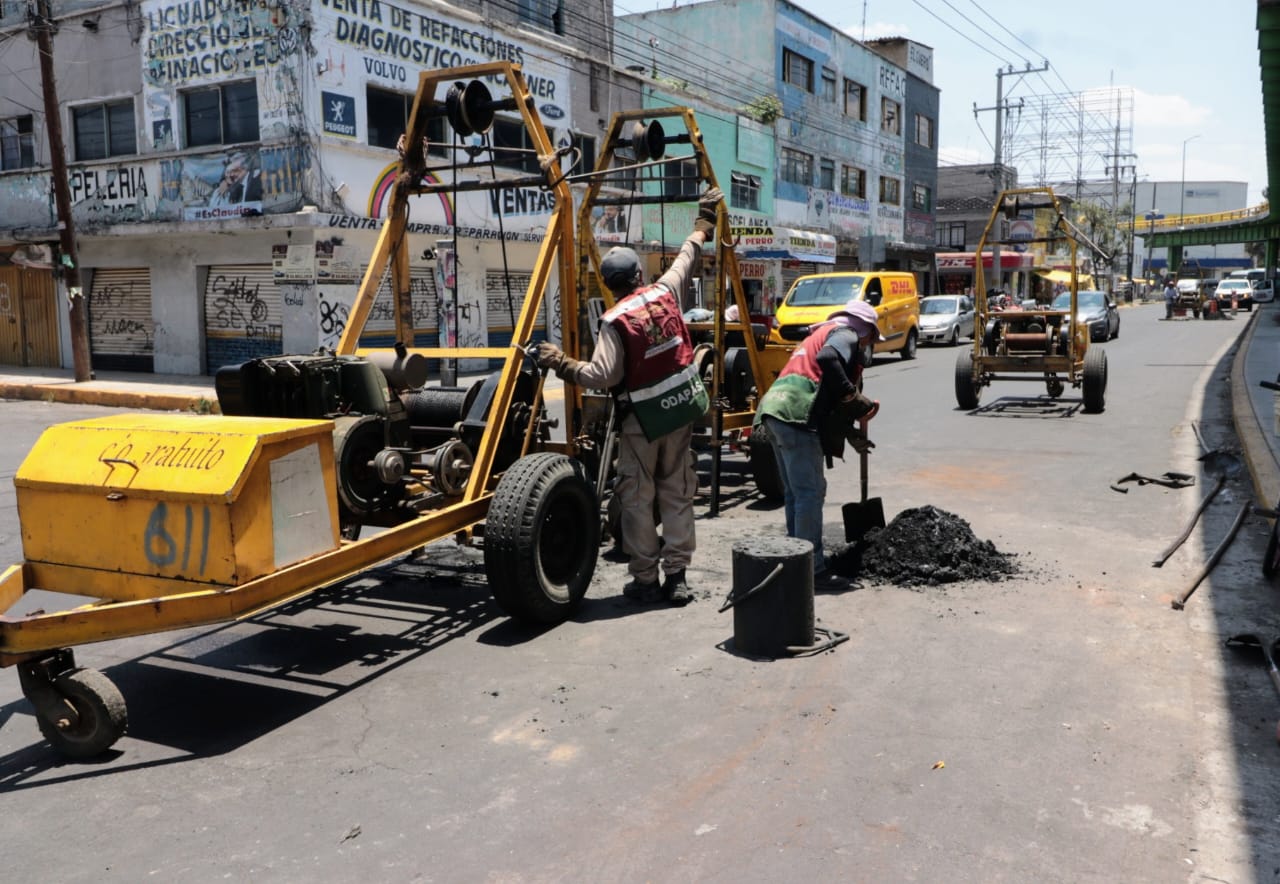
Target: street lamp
1182 196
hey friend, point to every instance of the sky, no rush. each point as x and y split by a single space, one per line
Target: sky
1192 66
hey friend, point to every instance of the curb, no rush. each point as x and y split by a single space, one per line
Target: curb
80 395
1248 425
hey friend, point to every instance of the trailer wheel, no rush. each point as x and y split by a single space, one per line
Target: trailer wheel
541 538
764 466
1095 380
1055 386
95 714
967 390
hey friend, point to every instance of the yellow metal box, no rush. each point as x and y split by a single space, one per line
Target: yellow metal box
139 506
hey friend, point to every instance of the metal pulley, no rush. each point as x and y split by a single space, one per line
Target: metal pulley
470 108
450 466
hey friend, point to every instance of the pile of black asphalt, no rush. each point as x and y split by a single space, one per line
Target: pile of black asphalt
922 547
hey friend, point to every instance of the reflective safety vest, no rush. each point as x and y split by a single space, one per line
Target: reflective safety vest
659 379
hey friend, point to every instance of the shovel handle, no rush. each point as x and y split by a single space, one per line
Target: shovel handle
862 461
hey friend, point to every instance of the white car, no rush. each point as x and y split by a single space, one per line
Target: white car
945 319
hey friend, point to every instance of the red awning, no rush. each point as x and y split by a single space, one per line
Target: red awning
956 261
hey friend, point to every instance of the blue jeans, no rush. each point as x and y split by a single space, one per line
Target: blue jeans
799 455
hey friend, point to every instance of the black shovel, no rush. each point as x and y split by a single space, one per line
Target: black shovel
865 515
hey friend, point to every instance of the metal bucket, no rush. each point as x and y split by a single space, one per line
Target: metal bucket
772 599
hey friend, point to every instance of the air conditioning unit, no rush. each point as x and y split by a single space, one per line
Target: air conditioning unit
37 256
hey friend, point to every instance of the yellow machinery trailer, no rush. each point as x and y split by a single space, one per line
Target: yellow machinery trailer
170 521
1039 344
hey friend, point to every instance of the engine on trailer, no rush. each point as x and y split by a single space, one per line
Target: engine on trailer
400 447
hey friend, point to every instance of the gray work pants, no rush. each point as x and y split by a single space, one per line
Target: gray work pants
661 470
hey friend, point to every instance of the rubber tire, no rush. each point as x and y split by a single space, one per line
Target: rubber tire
764 466
101 707
1094 382
955 337
967 392
908 350
541 538
1117 334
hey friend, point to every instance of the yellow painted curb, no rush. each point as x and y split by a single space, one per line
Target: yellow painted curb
115 398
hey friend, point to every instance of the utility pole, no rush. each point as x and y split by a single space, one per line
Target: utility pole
998 178
43 27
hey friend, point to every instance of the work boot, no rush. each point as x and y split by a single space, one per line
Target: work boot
645 592
676 590
829 581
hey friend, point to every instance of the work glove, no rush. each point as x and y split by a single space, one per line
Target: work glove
708 205
552 357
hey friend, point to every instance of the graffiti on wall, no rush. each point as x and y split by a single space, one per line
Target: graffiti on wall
115 323
237 306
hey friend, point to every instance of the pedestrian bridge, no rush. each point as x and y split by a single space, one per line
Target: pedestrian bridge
1255 224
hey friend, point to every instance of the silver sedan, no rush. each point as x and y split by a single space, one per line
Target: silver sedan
945 319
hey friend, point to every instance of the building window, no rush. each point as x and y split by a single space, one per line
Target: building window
226 114
855 100
924 131
919 198
853 181
586 146
17 144
890 191
546 14
681 178
387 118
104 130
827 174
797 167
745 191
513 148
797 70
949 234
828 84
890 116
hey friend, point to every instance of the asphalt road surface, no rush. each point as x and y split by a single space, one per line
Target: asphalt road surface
1063 725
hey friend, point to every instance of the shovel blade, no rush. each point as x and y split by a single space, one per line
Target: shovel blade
861 517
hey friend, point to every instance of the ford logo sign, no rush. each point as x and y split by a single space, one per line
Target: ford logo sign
551 112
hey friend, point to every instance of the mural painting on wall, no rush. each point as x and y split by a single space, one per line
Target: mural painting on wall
241 181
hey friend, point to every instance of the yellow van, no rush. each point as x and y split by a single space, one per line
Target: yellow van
811 299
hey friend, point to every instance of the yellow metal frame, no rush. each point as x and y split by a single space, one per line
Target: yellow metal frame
990 367
184 604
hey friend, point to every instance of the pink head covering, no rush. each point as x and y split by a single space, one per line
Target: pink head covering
732 313
861 317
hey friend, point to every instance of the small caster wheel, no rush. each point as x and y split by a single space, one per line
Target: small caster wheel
89 716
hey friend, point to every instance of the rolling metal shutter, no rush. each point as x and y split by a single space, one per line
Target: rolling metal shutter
243 314
380 329
121 329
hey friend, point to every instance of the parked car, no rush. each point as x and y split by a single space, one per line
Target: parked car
1240 289
945 319
1094 309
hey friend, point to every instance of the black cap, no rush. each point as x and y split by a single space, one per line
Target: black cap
620 268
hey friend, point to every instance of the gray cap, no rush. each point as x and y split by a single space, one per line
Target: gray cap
620 268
